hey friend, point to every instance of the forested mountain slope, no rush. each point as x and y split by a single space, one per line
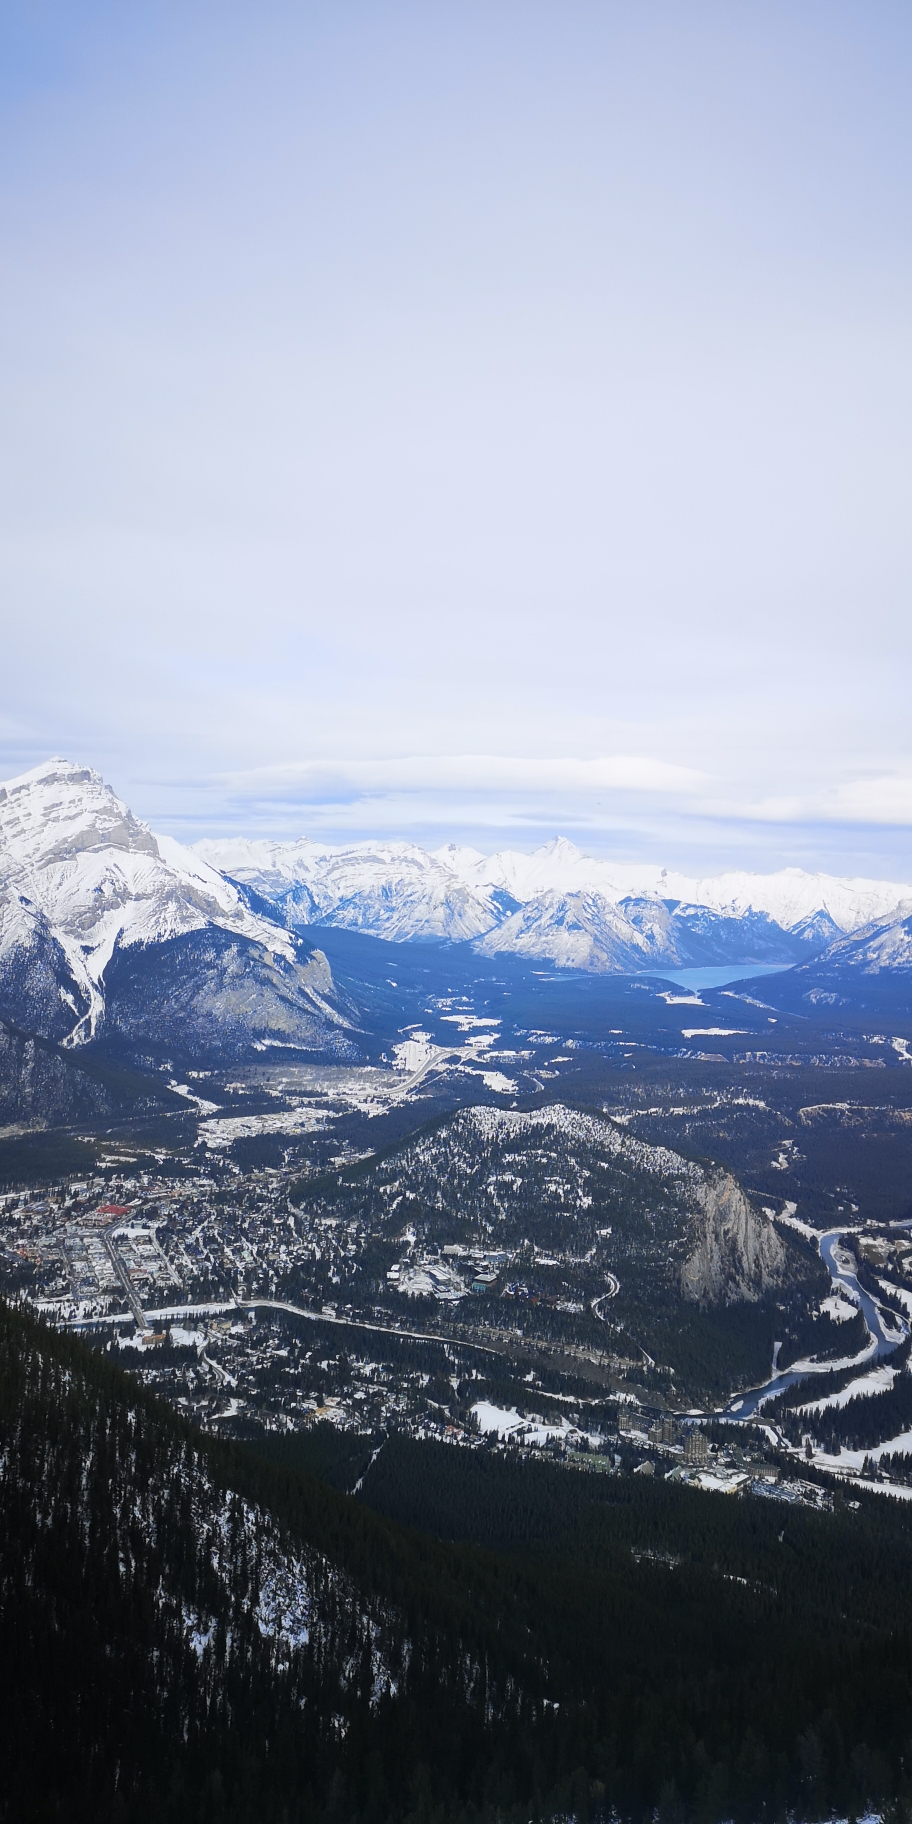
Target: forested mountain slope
598 1240
194 1632
187 1631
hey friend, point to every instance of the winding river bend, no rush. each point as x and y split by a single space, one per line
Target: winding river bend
885 1332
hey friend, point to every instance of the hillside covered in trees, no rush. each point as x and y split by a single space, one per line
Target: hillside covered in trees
194 1631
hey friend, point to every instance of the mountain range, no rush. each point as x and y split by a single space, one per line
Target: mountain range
560 906
108 928
555 905
496 884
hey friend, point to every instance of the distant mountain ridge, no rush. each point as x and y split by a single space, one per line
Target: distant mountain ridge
109 929
587 931
555 905
339 877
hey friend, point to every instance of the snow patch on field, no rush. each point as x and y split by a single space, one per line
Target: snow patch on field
495 1079
838 1308
226 1128
469 1022
506 1422
713 1032
880 1380
188 1339
414 1053
856 1459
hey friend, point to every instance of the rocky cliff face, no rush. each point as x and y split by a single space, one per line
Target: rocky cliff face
736 1254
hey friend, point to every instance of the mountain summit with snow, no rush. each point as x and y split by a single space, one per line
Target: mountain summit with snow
790 897
393 890
83 880
556 904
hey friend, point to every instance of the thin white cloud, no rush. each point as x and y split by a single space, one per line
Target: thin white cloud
883 799
481 774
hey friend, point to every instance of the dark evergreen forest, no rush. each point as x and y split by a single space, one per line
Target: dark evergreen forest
193 1630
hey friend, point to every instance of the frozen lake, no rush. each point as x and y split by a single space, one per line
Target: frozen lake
717 976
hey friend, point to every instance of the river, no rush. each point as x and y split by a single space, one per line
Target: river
883 1337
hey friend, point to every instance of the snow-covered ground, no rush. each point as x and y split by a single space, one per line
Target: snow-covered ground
712 1032
415 1052
219 1131
856 1459
470 1022
838 1307
506 1422
495 1079
878 1380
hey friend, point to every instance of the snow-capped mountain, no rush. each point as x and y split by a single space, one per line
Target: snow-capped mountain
82 880
557 867
881 946
555 904
589 931
696 934
397 891
791 896
573 931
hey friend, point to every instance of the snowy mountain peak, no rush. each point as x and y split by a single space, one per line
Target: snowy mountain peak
84 876
66 809
560 848
393 890
555 902
458 856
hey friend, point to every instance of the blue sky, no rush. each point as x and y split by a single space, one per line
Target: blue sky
464 421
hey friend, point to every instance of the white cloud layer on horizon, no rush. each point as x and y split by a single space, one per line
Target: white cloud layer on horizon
500 791
384 382
498 780
316 781
612 806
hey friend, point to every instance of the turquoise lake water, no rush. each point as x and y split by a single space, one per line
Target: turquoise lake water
717 977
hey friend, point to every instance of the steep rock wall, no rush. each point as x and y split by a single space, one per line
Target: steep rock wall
736 1253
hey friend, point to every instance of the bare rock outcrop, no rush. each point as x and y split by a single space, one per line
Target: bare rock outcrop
736 1254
